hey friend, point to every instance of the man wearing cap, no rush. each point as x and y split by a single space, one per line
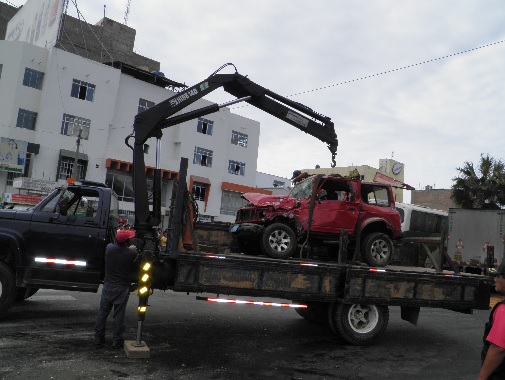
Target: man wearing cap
493 352
120 271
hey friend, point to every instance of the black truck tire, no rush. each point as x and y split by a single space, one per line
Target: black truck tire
358 324
377 249
279 241
316 312
8 288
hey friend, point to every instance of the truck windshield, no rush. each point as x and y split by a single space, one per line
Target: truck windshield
50 202
303 190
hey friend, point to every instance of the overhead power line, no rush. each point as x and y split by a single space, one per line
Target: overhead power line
399 68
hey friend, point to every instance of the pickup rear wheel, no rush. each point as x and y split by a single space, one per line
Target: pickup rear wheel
279 241
8 289
358 324
377 249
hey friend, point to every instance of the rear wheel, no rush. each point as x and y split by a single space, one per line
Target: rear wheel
316 313
358 324
377 250
279 241
8 288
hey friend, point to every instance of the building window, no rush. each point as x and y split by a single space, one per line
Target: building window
82 90
71 125
66 166
11 176
231 202
238 138
144 105
205 126
26 119
202 157
199 191
237 168
279 183
33 78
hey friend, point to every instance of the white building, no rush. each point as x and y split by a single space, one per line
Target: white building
49 96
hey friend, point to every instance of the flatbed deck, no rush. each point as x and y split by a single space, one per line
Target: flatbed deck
325 281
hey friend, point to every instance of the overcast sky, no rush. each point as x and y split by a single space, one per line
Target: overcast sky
433 117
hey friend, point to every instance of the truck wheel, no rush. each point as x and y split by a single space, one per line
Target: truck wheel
377 250
249 246
7 288
279 241
316 312
358 324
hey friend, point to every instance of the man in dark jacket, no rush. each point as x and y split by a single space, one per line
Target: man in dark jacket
493 352
120 271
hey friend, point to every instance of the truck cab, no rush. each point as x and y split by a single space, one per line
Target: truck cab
60 242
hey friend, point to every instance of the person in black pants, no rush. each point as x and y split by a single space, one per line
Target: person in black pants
121 270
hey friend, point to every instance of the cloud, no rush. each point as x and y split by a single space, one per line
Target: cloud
433 116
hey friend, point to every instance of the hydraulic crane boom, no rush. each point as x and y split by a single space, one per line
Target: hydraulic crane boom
151 122
163 115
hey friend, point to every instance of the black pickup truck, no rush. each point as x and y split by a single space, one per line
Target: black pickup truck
57 244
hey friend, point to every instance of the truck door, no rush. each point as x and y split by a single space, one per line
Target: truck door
336 207
377 204
66 244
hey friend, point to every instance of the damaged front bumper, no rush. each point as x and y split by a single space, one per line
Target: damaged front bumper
247 230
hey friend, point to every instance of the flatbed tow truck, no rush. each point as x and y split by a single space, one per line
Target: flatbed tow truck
352 299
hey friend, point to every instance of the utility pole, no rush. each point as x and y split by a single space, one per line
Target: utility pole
74 168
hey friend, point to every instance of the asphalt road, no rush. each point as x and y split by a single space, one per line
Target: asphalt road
49 336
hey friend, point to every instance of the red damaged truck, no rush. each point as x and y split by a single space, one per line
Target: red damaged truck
309 221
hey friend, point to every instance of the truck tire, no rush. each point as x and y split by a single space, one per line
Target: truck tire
358 324
316 313
377 249
8 288
249 246
279 241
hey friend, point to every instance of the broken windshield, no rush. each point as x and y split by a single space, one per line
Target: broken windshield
303 190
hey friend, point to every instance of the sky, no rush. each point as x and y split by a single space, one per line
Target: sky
419 81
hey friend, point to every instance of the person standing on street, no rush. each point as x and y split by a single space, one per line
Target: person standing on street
493 352
120 271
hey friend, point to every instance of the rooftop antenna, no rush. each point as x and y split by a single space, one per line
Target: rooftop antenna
127 12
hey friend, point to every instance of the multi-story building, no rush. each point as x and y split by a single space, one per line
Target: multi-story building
59 107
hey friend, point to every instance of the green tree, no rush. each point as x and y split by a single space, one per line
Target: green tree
482 187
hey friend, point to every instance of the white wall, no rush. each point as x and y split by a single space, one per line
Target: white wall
112 114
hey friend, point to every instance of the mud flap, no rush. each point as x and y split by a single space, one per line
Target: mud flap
410 314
